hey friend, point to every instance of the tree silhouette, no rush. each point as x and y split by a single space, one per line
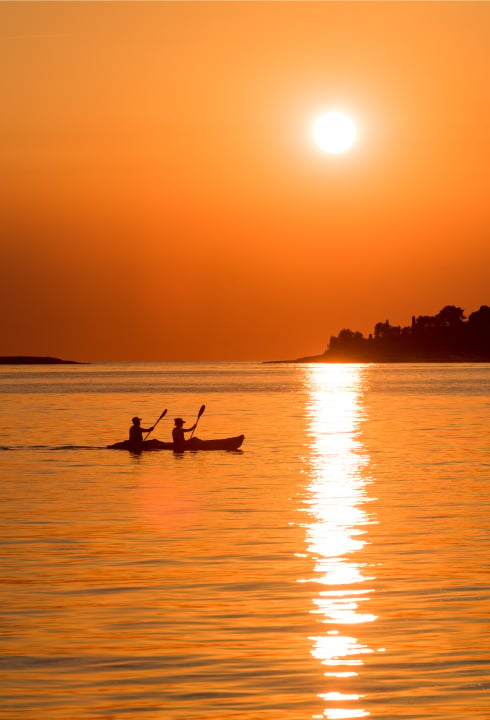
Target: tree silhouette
450 316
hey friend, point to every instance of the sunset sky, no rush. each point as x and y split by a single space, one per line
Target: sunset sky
162 196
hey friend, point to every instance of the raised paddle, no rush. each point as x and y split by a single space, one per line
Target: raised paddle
154 426
201 410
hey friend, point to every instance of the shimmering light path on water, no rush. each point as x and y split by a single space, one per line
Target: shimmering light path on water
336 568
335 530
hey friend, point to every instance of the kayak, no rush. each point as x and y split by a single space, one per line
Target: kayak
232 443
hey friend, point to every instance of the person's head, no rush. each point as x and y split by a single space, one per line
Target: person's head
136 421
179 422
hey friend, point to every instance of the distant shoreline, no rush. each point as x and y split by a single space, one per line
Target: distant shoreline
35 360
324 359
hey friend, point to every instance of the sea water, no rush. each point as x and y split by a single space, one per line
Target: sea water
337 566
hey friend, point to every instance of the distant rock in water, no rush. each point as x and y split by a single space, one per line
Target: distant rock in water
35 360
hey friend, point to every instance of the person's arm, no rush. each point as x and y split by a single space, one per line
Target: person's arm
189 429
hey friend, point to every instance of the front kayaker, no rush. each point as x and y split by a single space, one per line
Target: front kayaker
136 432
178 435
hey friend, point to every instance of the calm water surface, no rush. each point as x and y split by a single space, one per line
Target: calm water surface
336 567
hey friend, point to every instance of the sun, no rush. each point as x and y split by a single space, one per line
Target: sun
334 132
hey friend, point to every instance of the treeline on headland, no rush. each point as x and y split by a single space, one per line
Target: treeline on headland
446 337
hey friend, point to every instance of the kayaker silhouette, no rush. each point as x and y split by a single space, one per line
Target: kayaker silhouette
136 432
178 435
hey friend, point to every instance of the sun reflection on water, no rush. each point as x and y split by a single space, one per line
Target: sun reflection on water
337 511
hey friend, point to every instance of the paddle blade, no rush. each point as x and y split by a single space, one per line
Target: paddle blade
163 414
201 410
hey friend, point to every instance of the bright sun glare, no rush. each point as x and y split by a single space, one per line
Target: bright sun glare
334 132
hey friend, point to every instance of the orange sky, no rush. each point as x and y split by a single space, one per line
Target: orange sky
162 197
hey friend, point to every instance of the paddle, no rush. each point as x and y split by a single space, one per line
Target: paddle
154 426
201 410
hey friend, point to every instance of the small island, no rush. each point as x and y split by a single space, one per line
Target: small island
445 337
35 360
